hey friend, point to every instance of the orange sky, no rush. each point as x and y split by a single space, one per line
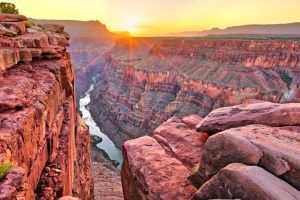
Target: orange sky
160 17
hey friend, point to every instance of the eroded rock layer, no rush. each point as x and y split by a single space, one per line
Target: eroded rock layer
39 129
190 76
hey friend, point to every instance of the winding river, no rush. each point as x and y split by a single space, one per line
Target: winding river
107 145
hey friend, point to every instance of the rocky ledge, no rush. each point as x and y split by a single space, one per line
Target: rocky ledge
40 132
253 153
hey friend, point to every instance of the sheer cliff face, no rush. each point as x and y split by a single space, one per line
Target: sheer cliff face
40 131
192 76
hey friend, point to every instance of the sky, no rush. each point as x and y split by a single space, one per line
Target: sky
160 17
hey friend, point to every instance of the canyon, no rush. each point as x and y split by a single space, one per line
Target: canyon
196 118
141 89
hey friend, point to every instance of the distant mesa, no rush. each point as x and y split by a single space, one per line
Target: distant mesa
290 29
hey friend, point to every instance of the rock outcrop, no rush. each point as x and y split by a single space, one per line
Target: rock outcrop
248 162
246 182
180 77
40 131
158 167
251 112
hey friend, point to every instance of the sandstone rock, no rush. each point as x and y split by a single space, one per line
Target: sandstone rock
246 182
8 58
180 140
12 184
7 32
38 121
16 27
192 120
53 28
273 149
108 184
84 184
12 17
257 112
148 172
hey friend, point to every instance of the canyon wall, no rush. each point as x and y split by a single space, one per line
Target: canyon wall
180 77
41 133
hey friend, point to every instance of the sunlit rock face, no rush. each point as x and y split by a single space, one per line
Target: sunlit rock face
189 76
40 131
158 167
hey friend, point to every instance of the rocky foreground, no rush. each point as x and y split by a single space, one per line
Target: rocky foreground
250 151
40 132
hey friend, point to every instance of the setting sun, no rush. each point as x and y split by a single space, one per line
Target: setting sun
132 29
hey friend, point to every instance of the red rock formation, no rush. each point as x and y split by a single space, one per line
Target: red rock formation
38 123
14 184
158 167
251 112
181 141
246 182
191 76
274 149
248 162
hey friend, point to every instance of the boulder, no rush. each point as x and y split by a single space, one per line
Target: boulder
53 28
17 27
149 172
12 18
246 182
251 112
274 149
180 139
8 58
7 32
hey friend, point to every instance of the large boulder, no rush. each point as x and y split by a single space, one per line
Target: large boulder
251 112
12 18
246 182
180 138
274 149
149 172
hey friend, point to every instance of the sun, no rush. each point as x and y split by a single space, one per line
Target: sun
132 29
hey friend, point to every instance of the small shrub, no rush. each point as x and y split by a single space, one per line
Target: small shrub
8 8
4 169
10 35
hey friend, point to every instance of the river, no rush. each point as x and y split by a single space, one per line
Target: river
107 145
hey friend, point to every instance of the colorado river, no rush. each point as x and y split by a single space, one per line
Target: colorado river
107 145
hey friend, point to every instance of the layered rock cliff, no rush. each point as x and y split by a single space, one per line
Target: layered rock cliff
245 159
40 132
190 76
